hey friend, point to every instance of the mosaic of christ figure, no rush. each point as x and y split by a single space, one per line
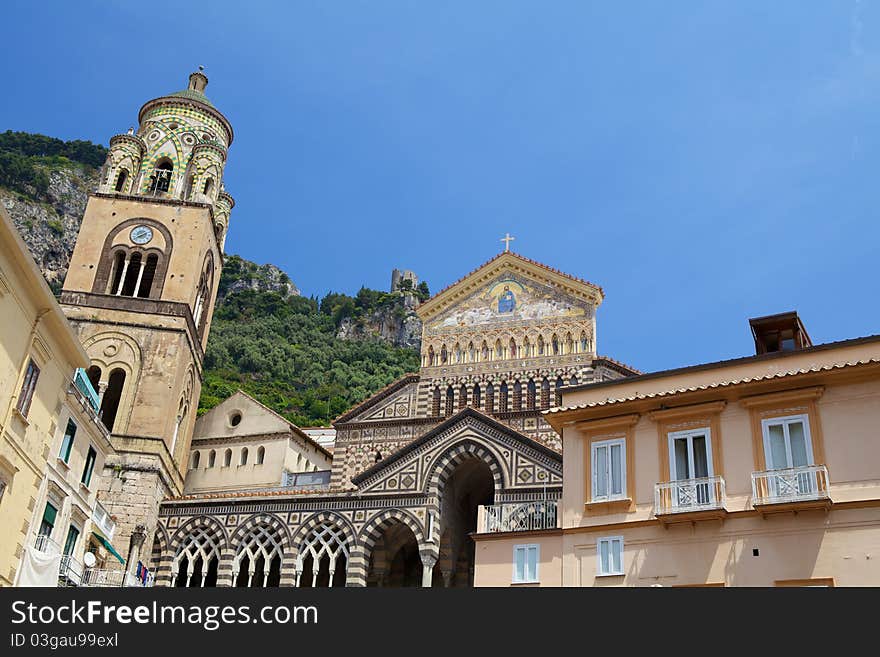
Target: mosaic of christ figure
507 301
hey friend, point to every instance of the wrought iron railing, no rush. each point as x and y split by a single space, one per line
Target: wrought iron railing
100 577
43 543
105 523
70 572
518 517
809 482
686 495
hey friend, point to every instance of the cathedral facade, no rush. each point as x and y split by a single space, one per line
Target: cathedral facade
245 498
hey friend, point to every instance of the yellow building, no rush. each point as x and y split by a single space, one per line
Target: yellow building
757 471
39 356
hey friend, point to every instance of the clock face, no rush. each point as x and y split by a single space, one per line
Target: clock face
141 234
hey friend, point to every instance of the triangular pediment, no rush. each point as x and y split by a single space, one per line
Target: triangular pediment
396 401
520 462
509 289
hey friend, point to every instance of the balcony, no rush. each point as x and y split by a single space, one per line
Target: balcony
103 578
70 572
791 489
517 517
689 500
104 522
46 545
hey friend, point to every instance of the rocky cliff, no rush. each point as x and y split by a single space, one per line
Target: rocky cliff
395 322
49 227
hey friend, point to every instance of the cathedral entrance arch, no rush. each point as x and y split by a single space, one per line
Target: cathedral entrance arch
395 560
469 484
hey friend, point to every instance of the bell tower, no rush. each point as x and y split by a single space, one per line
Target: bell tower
140 291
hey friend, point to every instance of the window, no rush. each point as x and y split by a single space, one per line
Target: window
227 458
67 443
120 181
690 460
244 456
112 397
787 442
525 563
261 455
70 542
608 459
89 467
160 181
27 387
196 456
48 522
609 552
212 456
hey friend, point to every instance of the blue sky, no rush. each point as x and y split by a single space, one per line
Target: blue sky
704 162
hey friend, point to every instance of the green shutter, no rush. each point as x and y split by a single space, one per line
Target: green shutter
49 514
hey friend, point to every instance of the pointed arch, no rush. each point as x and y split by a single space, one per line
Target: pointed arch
444 464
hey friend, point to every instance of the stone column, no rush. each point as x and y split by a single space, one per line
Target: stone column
428 561
356 574
224 568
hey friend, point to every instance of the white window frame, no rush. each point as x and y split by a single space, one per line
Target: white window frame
594 446
526 547
689 434
784 421
610 541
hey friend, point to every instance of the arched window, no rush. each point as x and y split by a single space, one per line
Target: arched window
502 398
545 393
323 558
477 399
160 181
227 458
188 188
450 401
212 456
435 403
555 342
559 384
585 346
258 560
530 395
541 347
499 350
132 275
462 396
146 283
197 560
457 351
443 355
472 353
527 348
484 352
431 356
94 374
490 398
112 397
511 352
569 344
261 455
244 456
573 381
121 180
208 189
517 396
194 461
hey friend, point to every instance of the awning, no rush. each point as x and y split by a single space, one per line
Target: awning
109 547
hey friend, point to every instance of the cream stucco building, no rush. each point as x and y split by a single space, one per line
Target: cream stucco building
757 471
53 444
